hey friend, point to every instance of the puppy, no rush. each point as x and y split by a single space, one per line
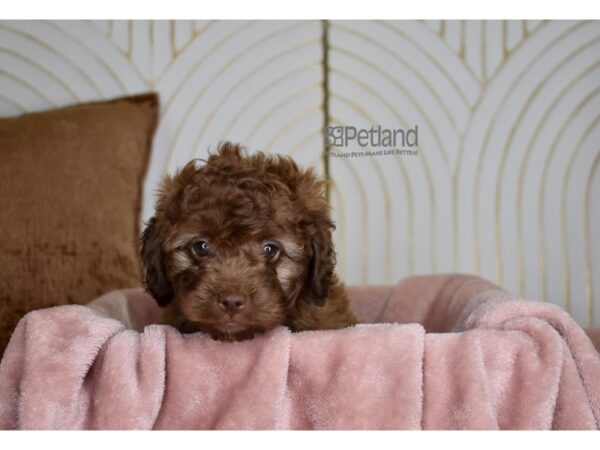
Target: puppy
243 244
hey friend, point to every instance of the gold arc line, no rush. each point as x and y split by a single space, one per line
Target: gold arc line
130 40
295 120
455 176
435 59
542 191
422 160
482 50
401 119
197 30
486 81
289 152
363 196
588 259
481 155
342 214
247 75
13 101
408 188
29 86
507 147
190 71
499 69
295 94
402 89
325 108
505 39
171 42
274 108
521 181
97 26
112 37
42 69
403 62
232 60
565 180
151 38
463 44
175 53
91 50
441 103
386 194
188 74
298 145
27 36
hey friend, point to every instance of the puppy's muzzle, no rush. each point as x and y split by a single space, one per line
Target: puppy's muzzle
231 303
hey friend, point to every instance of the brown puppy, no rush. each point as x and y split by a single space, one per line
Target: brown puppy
243 244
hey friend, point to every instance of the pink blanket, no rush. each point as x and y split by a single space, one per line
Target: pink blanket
470 356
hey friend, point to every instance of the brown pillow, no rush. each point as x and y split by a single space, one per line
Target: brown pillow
70 201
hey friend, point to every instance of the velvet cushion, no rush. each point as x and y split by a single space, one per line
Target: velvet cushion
70 201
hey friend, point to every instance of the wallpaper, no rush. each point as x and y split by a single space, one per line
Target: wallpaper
504 181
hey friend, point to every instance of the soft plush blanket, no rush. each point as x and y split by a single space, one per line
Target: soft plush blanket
442 352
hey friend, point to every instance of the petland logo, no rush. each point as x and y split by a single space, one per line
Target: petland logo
376 136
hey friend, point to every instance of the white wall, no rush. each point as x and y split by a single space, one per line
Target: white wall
506 183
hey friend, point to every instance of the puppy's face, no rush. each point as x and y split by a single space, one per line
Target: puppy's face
236 242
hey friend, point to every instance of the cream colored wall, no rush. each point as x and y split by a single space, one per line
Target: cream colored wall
506 183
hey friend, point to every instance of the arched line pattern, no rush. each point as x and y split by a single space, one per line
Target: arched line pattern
405 177
453 171
247 75
47 69
148 79
312 111
92 51
386 196
194 67
521 183
508 144
588 259
431 190
342 226
195 33
461 52
289 124
364 207
456 173
42 69
21 108
483 153
298 145
231 60
434 61
401 60
29 86
293 121
483 53
542 191
263 92
401 88
80 38
485 84
563 208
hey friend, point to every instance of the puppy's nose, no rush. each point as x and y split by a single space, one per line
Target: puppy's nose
231 303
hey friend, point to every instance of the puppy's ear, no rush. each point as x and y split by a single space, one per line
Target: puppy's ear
155 277
322 263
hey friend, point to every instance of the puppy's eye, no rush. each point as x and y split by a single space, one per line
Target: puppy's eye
200 248
271 251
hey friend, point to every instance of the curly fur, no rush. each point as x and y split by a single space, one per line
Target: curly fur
237 203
